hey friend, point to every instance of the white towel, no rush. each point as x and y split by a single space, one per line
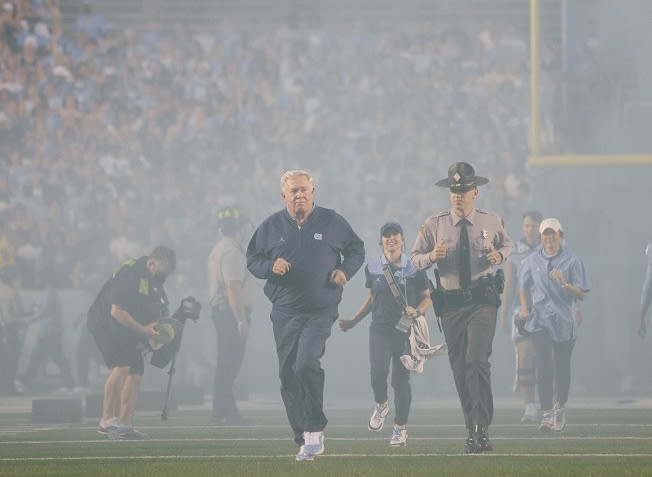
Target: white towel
420 347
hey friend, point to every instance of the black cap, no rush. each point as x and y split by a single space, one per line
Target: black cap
461 178
391 226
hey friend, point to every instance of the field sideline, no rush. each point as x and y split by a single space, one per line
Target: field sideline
598 442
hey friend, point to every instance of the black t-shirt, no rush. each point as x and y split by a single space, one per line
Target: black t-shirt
134 292
130 289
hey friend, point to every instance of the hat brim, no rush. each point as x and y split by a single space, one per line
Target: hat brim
479 181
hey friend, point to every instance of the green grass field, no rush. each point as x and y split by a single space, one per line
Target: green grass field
614 442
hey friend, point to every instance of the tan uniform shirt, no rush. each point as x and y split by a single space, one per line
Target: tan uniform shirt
485 229
227 263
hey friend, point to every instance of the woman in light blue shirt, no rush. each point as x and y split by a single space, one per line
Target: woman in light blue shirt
551 281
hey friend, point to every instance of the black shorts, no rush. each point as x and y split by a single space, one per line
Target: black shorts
119 347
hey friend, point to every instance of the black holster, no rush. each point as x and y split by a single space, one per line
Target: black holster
486 292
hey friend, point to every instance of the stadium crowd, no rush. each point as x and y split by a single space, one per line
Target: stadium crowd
114 139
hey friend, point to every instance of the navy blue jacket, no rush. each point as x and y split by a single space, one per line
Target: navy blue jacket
323 243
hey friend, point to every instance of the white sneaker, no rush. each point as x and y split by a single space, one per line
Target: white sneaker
531 414
108 425
377 419
547 421
302 456
313 443
399 437
559 418
123 431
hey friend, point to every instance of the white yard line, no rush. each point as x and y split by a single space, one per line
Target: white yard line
550 438
288 456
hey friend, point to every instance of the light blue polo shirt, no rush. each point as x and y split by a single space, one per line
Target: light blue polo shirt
552 305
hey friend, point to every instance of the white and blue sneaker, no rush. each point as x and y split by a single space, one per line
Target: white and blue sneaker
108 425
399 437
126 432
302 456
547 421
313 445
559 418
377 419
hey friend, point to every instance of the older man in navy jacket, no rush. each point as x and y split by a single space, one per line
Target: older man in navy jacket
307 254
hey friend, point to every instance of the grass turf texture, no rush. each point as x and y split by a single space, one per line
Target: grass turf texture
597 443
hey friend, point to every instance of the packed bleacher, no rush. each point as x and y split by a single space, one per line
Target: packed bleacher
114 139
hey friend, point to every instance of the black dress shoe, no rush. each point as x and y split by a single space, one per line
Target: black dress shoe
472 444
483 439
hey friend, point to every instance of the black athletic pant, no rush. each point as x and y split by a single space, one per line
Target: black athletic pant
300 344
553 368
387 344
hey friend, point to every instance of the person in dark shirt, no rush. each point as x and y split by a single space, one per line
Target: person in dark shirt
121 320
307 254
386 342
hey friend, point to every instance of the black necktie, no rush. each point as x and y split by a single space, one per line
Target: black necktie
465 256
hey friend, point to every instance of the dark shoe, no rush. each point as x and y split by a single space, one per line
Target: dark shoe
483 439
472 445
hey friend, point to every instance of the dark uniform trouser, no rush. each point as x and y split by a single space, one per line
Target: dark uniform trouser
469 331
300 344
388 344
230 354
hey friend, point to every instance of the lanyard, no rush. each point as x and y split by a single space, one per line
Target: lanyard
399 295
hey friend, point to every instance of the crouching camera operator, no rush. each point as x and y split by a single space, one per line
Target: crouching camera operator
123 317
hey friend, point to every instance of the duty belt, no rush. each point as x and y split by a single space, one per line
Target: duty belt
476 294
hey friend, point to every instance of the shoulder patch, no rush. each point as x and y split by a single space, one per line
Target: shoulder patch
442 213
486 212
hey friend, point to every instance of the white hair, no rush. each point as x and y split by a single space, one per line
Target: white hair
291 174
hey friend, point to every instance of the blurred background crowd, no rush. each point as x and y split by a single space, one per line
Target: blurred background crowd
114 137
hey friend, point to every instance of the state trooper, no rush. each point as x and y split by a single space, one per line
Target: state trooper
465 244
230 290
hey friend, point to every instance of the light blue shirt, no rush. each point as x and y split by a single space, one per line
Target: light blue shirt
552 305
522 250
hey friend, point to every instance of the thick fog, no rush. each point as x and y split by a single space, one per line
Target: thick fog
114 139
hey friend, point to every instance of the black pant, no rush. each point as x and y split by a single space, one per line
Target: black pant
469 331
553 368
300 344
230 354
388 344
